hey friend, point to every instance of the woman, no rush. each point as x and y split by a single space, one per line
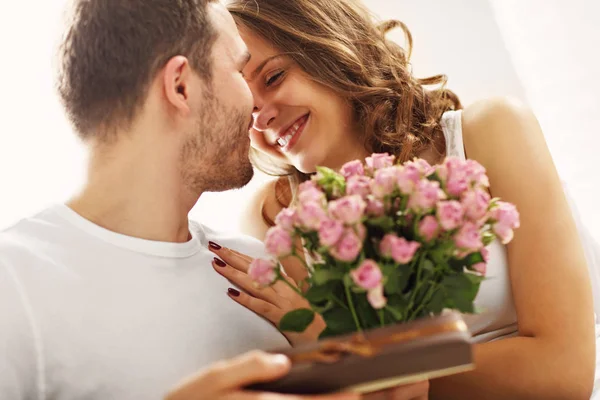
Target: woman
329 88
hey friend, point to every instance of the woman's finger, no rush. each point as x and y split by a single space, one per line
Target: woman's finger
265 309
237 260
242 280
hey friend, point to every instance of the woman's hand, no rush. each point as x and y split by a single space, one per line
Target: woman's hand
272 302
225 380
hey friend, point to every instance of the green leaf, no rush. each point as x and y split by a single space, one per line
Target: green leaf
398 307
332 182
386 223
435 177
327 333
322 276
339 320
488 238
322 308
317 294
436 304
297 320
366 314
429 266
397 279
459 264
461 290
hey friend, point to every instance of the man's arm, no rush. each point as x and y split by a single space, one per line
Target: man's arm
20 357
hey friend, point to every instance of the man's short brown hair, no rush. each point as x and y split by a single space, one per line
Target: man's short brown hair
113 49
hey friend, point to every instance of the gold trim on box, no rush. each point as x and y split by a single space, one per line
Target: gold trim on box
406 380
330 351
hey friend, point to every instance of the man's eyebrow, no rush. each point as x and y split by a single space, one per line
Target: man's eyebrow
262 65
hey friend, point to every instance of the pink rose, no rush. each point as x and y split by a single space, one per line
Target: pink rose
384 182
310 215
407 177
286 219
429 228
476 203
308 192
330 232
263 272
403 251
450 214
457 180
360 185
422 166
426 195
476 173
278 242
349 209
380 160
481 268
376 298
360 231
468 238
385 246
507 219
352 168
348 247
368 275
375 208
485 253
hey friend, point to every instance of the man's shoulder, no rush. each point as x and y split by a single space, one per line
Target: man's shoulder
231 239
29 236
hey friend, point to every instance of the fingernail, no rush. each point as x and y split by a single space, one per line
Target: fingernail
220 262
214 246
233 292
280 360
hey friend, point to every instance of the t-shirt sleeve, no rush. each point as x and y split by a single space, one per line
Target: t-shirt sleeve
19 361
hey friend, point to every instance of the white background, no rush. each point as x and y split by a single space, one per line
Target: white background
541 51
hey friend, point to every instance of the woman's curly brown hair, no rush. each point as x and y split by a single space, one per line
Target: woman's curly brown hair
339 44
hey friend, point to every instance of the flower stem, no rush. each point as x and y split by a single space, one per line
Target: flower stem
425 301
382 317
302 260
352 310
417 283
294 288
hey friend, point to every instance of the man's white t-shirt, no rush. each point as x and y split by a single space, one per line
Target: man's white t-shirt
86 313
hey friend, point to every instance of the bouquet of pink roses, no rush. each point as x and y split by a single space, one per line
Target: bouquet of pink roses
389 243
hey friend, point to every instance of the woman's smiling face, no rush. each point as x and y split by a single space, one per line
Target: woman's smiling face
296 120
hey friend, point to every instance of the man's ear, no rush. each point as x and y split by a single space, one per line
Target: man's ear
177 79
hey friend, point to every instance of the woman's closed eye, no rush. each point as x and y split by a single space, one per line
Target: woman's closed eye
274 78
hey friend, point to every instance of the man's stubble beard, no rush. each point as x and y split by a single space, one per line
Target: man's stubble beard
215 157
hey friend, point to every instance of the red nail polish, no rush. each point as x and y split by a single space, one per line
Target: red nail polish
233 292
214 246
220 262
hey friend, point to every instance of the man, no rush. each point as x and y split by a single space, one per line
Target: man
112 296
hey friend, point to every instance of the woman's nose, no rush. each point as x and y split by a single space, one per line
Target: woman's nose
264 116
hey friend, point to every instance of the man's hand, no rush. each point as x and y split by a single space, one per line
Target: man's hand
225 380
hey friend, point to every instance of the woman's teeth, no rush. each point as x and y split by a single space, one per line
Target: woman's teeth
283 141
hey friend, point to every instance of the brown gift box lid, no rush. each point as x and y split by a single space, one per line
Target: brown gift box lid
378 359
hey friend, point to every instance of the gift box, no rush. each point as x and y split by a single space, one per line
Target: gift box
379 358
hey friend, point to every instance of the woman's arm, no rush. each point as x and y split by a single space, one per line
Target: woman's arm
554 355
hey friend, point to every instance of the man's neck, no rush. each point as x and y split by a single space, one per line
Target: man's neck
137 190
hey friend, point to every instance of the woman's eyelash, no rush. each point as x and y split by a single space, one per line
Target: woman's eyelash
274 78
